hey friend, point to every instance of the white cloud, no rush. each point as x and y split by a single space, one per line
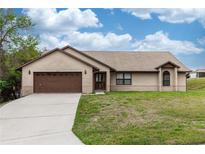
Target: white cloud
58 28
201 41
99 41
160 41
184 15
88 41
51 20
50 41
140 13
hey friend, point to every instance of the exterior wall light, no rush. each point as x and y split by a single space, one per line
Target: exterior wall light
85 72
29 72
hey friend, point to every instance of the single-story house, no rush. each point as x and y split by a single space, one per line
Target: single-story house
200 73
70 70
192 75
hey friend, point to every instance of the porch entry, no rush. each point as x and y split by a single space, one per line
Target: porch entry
100 81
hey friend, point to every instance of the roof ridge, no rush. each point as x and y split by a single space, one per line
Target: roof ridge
88 56
129 51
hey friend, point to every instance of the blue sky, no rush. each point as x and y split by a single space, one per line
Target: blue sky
180 31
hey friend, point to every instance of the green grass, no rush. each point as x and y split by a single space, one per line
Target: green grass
143 117
196 84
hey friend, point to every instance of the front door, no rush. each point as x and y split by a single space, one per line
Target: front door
100 81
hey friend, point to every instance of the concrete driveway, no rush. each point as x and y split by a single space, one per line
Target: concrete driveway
39 119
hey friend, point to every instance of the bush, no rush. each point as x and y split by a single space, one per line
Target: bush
3 85
4 90
10 86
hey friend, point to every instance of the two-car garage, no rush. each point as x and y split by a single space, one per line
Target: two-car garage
57 71
57 82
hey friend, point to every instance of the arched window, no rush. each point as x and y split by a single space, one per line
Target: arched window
166 78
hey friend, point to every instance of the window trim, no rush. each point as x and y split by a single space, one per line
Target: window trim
123 79
164 81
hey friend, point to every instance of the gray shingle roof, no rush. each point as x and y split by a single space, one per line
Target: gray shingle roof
135 61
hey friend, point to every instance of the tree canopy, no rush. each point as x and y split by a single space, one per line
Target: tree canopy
17 46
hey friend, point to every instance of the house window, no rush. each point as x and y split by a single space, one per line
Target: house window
166 78
124 79
99 77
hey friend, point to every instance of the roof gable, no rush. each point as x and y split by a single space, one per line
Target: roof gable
88 56
168 64
57 50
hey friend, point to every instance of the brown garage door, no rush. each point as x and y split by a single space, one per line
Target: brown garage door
57 82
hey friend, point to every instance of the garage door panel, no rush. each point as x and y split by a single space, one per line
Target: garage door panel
57 82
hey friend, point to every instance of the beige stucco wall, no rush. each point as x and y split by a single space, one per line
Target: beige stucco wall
140 82
149 82
182 81
101 67
57 62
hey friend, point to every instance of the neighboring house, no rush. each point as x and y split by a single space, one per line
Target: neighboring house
200 73
192 74
70 70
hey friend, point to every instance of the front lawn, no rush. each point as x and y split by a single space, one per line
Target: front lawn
142 118
196 84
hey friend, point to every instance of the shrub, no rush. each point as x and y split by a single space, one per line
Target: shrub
10 86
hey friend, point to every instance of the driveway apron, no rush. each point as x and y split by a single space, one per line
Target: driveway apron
39 119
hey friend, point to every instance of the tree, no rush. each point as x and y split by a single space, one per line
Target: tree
25 51
12 28
16 48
